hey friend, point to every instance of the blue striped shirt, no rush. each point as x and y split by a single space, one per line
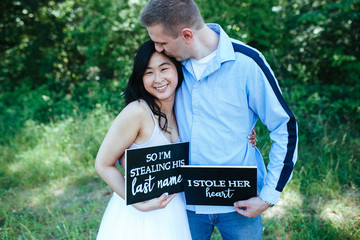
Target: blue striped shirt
217 113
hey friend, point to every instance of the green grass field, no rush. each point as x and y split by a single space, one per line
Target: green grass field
49 188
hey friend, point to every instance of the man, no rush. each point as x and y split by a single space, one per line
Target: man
227 87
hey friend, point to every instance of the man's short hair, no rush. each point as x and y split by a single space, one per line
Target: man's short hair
173 15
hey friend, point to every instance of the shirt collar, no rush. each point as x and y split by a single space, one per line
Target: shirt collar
225 50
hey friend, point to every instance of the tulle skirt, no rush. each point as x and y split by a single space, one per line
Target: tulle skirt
127 223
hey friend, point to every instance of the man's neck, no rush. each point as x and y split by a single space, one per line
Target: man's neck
206 42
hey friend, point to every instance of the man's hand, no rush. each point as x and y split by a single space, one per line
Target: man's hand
252 207
155 203
252 138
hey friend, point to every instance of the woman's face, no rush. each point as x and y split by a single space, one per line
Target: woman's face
160 78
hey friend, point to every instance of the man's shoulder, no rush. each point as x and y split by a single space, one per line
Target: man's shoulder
242 48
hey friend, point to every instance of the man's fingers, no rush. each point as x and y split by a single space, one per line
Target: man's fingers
241 207
252 138
240 204
240 211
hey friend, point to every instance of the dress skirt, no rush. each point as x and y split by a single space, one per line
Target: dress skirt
127 223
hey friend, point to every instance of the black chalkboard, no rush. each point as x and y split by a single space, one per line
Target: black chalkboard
218 185
152 171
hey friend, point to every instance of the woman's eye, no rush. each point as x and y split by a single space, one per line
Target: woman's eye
164 69
148 73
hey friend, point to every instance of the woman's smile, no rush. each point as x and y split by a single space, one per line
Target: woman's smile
162 88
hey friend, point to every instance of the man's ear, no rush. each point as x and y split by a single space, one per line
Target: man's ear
187 34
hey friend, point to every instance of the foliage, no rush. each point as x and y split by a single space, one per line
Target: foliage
62 43
250 21
64 52
323 40
65 63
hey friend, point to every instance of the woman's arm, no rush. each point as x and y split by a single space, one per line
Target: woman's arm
122 133
129 126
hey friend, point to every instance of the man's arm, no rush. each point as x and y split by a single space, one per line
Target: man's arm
266 100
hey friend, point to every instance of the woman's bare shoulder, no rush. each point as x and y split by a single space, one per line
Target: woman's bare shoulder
135 113
136 109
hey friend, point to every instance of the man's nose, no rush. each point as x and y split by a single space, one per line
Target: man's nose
159 47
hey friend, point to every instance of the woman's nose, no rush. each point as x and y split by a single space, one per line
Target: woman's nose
158 78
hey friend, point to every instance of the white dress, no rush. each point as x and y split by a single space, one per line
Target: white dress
126 222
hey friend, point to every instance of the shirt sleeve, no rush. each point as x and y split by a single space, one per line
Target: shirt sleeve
266 101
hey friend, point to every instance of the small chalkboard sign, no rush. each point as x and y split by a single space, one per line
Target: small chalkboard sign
218 185
152 171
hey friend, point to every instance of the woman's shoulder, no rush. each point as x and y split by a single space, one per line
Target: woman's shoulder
136 110
137 107
136 116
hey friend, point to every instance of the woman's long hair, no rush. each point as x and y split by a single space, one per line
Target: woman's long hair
136 90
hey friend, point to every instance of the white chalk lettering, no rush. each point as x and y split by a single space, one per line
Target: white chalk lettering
173 180
151 157
246 184
178 163
189 181
220 194
150 169
238 183
142 188
208 183
164 155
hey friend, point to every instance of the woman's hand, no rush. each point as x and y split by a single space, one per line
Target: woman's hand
155 203
252 138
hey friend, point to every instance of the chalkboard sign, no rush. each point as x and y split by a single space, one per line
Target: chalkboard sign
218 185
152 171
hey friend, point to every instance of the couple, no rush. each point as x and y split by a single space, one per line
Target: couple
222 86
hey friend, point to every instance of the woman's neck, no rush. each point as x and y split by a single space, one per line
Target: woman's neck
167 107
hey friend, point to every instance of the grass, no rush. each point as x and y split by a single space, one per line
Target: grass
49 188
63 209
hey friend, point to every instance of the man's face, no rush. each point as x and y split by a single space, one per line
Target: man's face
175 48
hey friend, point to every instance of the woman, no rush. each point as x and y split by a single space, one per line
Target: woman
147 120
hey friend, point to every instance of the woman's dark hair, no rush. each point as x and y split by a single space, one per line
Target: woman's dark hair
136 90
